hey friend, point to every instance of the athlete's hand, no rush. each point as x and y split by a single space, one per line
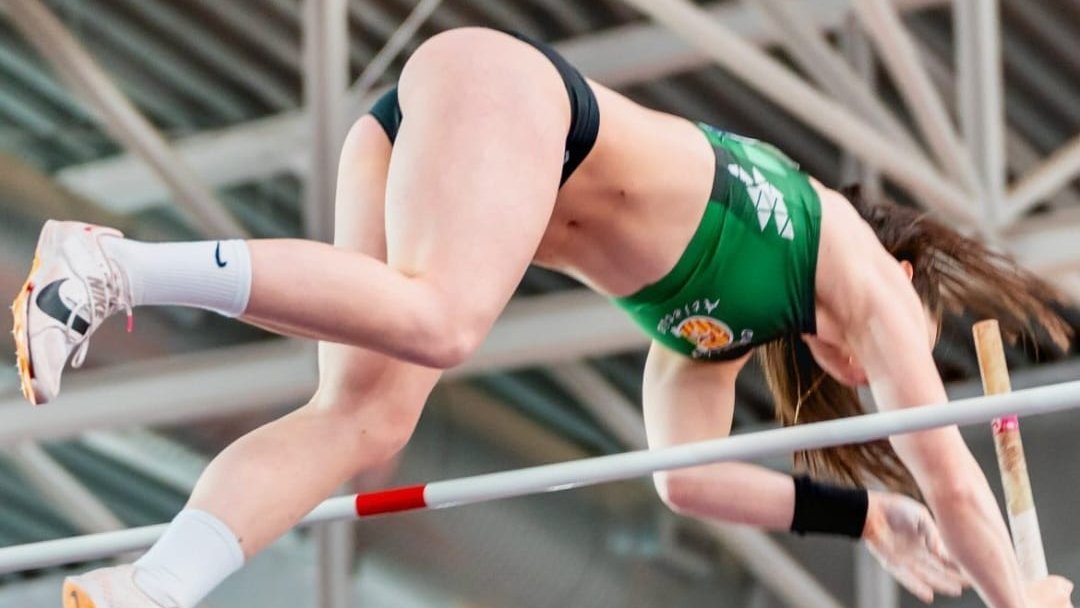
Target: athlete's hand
1051 592
902 535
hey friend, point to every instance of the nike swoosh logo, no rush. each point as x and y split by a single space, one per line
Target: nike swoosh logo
50 303
217 256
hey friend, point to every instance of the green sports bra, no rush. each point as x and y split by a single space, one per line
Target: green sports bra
747 275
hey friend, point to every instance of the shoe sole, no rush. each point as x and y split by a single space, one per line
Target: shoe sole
19 312
75 597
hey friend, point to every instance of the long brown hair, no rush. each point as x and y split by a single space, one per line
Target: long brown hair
952 274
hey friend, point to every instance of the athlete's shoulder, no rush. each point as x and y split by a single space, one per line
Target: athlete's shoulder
850 256
842 228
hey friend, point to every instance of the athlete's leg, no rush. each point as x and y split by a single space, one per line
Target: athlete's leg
471 188
363 412
367 404
472 184
365 409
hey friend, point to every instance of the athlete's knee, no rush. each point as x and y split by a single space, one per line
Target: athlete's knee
380 436
448 345
374 401
444 325
388 433
371 428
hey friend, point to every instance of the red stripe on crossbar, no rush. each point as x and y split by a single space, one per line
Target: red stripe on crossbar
390 501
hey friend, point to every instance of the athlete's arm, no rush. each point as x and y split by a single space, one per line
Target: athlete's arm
689 401
686 401
884 326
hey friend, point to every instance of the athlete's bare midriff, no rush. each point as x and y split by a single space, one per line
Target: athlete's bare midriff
625 216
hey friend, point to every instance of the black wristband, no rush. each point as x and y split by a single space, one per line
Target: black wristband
829 509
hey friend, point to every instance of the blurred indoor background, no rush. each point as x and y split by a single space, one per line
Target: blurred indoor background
253 97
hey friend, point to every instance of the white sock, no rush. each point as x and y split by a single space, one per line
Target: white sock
213 275
196 553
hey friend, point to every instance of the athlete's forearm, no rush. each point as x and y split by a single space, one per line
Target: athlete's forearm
734 492
889 341
972 528
963 505
770 500
686 401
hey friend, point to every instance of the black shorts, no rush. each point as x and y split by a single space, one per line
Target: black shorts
584 111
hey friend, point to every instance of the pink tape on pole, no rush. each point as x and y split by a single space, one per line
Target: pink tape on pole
390 501
1005 424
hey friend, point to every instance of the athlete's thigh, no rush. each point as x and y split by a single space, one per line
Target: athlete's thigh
476 166
359 225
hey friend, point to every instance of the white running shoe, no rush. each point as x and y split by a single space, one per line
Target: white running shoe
106 588
73 286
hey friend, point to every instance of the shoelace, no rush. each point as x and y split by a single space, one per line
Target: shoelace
108 296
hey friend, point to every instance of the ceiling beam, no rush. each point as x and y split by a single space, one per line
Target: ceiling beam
106 27
1047 243
1042 181
207 44
897 50
267 375
168 111
859 53
67 494
619 56
1022 155
326 72
811 50
397 42
267 34
981 98
76 66
826 116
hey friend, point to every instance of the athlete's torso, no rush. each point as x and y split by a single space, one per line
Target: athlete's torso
624 218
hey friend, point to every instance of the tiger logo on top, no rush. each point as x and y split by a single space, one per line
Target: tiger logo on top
709 335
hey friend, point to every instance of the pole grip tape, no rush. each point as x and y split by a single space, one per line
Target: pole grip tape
1020 503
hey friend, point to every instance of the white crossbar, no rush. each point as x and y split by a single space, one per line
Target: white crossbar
566 475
